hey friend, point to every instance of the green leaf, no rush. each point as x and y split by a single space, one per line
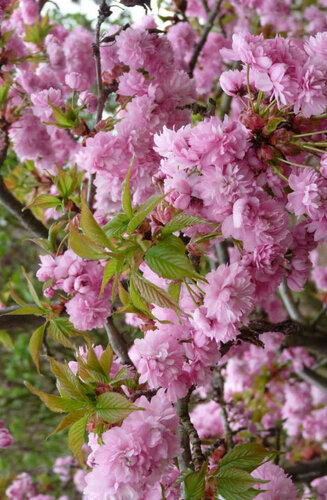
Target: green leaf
114 407
181 221
6 340
137 300
106 360
67 421
126 194
123 294
116 226
92 229
245 456
68 382
57 403
25 310
169 260
236 480
45 201
32 289
174 290
273 124
83 247
35 345
154 294
59 334
76 437
64 118
195 484
109 271
144 210
244 495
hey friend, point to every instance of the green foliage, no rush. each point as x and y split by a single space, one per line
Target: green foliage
234 480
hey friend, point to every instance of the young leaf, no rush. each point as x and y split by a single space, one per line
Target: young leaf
245 456
126 194
181 221
109 271
92 229
195 485
35 345
123 294
244 495
76 437
106 360
6 340
32 289
68 382
57 334
116 226
236 480
169 261
174 290
144 210
154 294
45 201
137 300
83 247
67 421
114 407
25 310
57 403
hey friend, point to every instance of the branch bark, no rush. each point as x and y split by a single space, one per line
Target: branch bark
218 396
118 343
207 28
194 458
104 12
307 471
18 322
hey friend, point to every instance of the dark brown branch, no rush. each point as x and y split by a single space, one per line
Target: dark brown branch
118 343
104 12
314 378
307 471
18 322
185 458
197 457
25 217
218 396
206 30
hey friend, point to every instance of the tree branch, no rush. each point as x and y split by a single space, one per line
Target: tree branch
117 342
104 12
207 28
218 396
314 378
197 457
307 471
289 303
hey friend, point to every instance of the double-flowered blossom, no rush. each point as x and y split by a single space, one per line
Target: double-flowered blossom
81 280
135 455
278 487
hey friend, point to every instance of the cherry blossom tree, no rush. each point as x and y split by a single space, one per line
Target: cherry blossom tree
172 173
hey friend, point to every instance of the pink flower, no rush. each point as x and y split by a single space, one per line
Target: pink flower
135 455
228 299
249 49
76 81
6 438
21 487
279 487
159 359
88 311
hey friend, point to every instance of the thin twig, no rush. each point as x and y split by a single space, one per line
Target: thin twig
289 303
118 343
218 393
207 28
314 378
104 12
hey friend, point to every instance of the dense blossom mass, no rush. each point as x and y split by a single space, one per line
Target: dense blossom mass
178 166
